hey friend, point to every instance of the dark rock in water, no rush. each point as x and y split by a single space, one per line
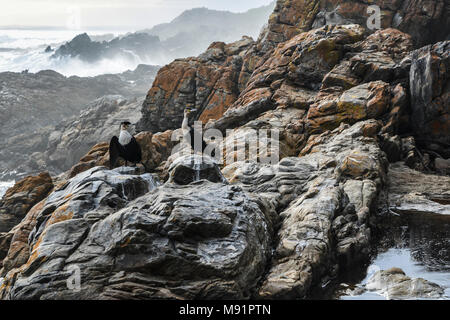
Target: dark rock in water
187 169
83 47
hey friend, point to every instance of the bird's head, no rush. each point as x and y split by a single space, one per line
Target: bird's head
188 112
125 125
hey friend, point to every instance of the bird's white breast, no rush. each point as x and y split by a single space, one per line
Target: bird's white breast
124 137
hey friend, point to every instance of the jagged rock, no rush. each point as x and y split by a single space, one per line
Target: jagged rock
395 284
15 250
128 46
158 246
22 197
324 210
430 95
426 21
208 83
298 65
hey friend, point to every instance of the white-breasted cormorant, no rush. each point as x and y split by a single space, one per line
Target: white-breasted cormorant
125 147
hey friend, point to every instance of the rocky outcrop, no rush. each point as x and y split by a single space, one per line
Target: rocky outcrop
323 199
342 103
208 83
187 169
424 20
129 46
430 96
17 202
153 247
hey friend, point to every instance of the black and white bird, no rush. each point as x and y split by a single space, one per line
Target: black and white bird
190 135
125 147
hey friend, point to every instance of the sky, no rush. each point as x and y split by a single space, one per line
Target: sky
82 14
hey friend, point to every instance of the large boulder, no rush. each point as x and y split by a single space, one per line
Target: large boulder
191 168
207 241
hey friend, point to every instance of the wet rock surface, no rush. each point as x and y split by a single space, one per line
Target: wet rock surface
197 241
186 169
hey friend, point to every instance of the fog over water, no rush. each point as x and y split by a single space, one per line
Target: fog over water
25 49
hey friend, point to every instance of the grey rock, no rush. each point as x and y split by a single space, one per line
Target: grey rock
207 241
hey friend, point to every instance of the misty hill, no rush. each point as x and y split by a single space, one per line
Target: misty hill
228 26
189 34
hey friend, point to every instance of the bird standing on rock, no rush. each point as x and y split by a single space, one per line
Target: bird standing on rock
125 146
190 135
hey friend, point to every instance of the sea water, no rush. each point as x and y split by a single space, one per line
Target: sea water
5 185
25 50
419 244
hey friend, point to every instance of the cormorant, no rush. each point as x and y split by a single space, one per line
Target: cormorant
125 146
189 133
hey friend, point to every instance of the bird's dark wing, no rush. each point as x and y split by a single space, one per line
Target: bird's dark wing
133 151
195 134
115 150
138 150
